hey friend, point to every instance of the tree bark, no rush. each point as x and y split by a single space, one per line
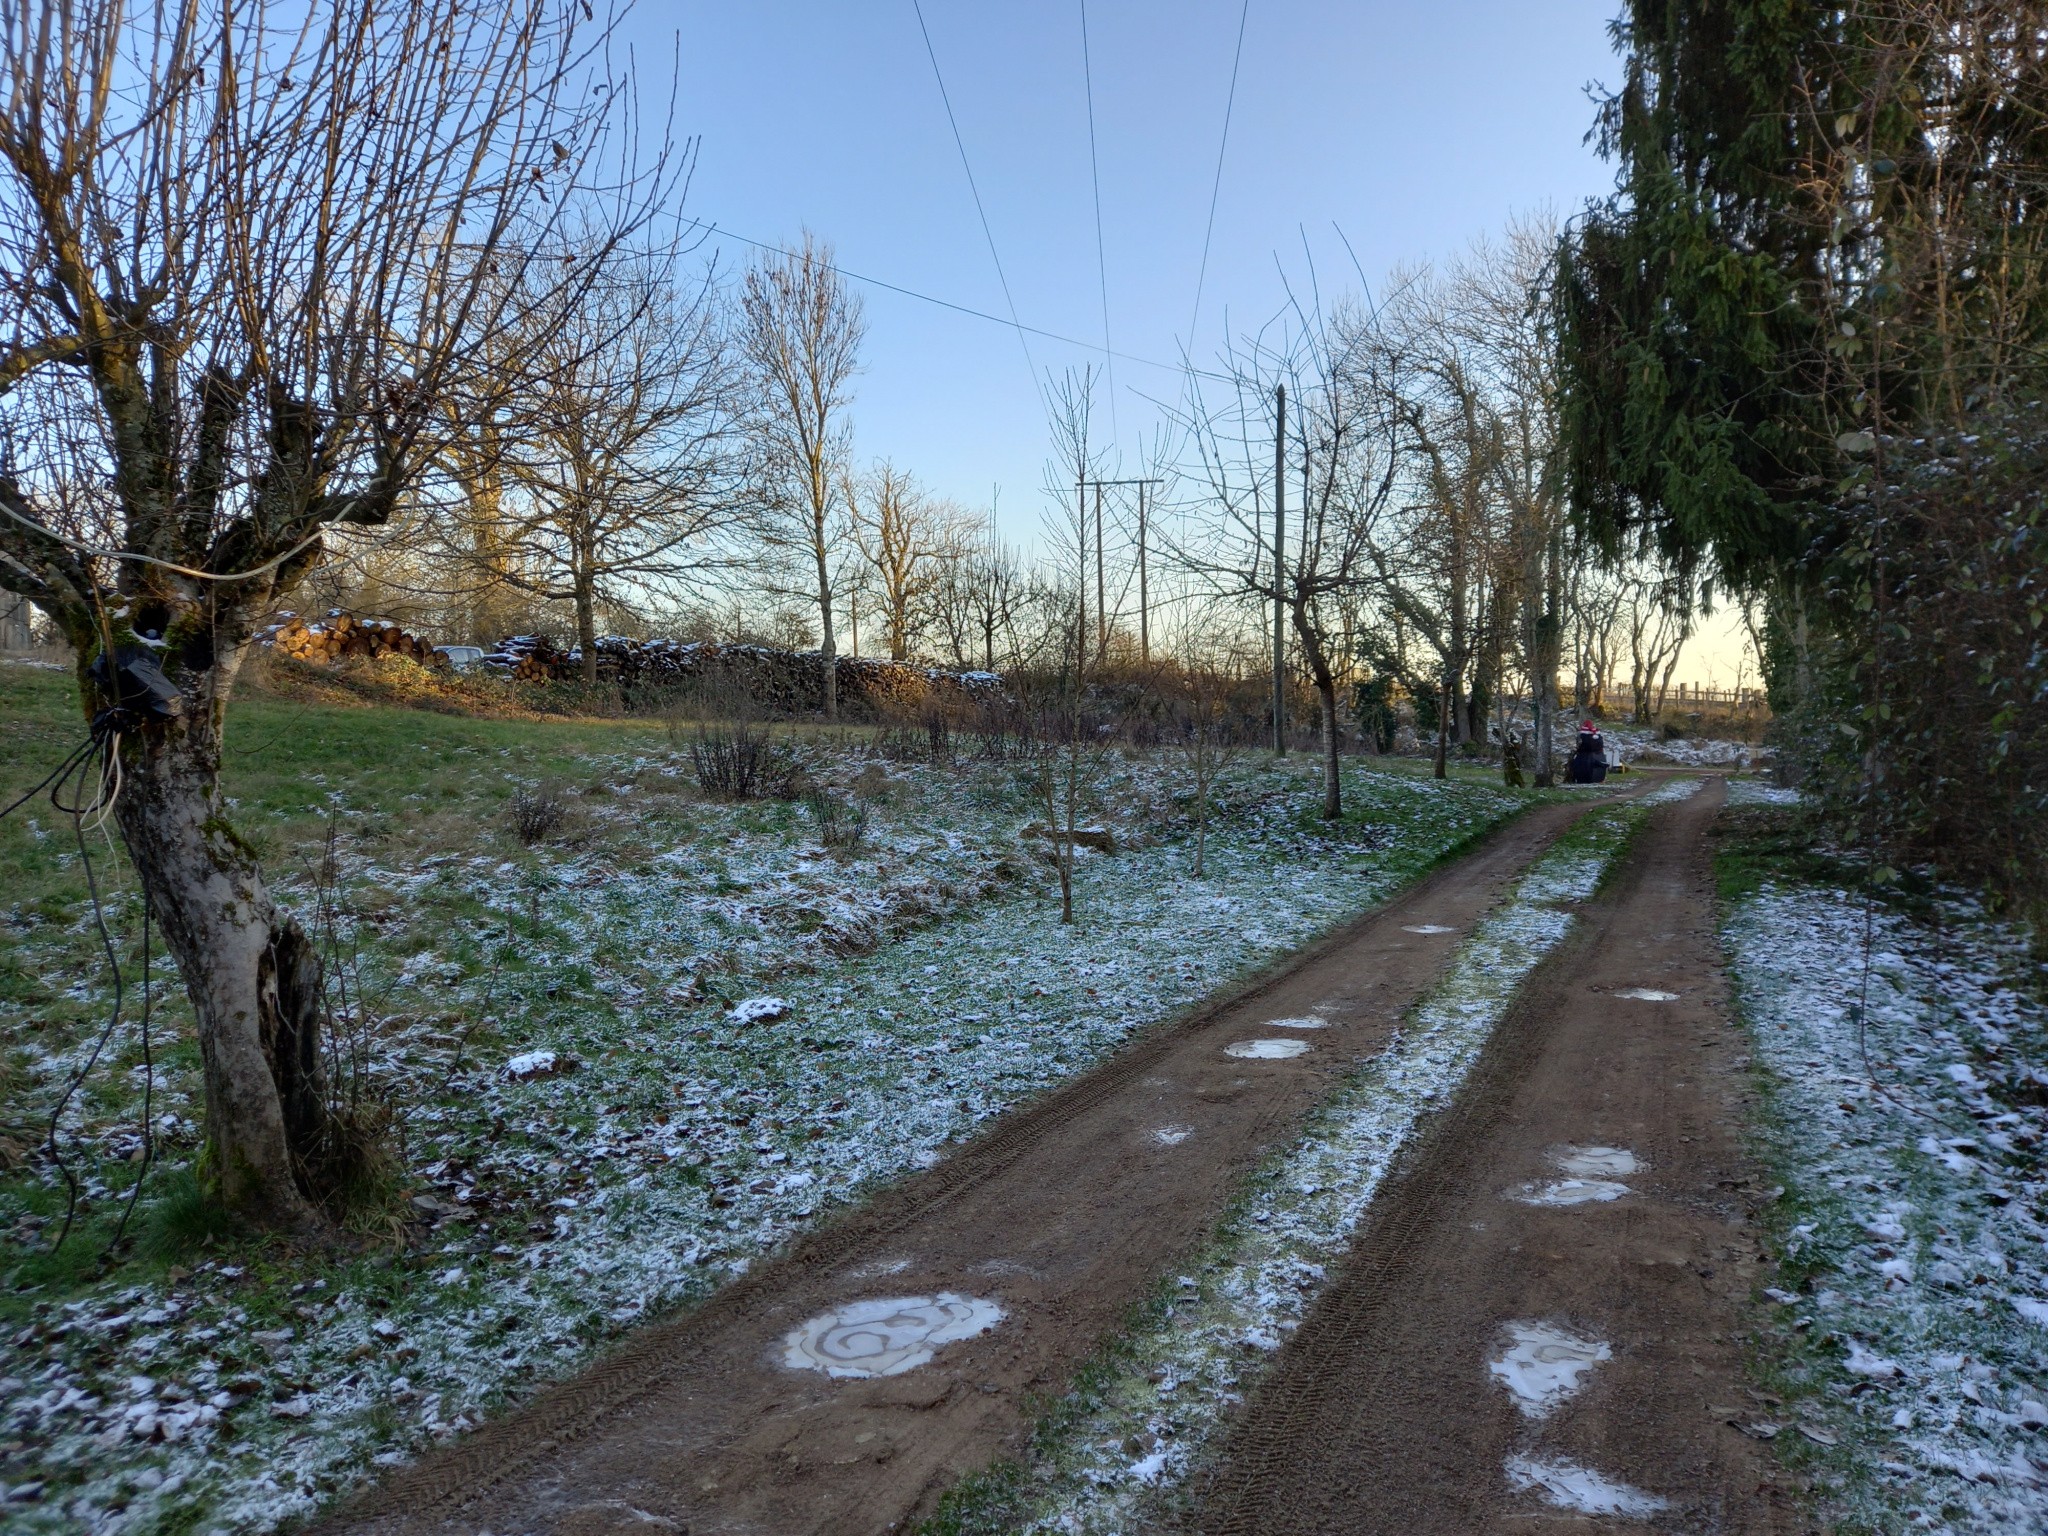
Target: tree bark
253 976
828 649
586 620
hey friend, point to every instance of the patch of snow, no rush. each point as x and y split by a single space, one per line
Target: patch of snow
1172 1135
1922 1189
1567 1485
1542 1365
1647 995
1307 1021
1426 928
1596 1162
757 1010
887 1337
1570 1192
1267 1050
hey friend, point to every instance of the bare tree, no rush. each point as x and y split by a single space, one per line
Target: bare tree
1339 458
907 542
622 449
247 254
801 332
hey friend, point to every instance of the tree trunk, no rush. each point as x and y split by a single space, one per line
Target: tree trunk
1333 792
586 623
252 975
828 647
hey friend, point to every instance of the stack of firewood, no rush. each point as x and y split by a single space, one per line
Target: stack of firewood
528 659
324 641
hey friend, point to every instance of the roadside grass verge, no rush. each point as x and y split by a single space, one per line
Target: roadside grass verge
1899 1043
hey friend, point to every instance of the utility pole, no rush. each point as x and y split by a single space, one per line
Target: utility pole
1102 560
1279 570
1081 619
1144 606
1101 601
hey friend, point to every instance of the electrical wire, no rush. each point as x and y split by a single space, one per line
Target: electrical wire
1095 180
963 309
1216 186
987 234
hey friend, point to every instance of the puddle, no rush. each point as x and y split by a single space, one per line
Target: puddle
1306 1021
1596 1162
1172 1135
886 1337
1267 1050
1648 995
1543 1364
1426 928
1570 1192
1568 1486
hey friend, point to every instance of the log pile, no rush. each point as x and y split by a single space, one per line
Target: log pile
324 641
779 681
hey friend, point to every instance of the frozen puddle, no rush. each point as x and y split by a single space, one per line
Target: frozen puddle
1306 1021
1571 1192
1596 1162
1543 1364
1648 995
886 1337
1267 1050
1567 1486
1172 1135
1426 928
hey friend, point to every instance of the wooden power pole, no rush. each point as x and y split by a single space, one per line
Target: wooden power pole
1279 570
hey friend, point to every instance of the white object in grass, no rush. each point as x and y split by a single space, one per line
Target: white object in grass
1566 1485
534 1064
757 1010
1267 1050
1648 995
886 1337
1542 1365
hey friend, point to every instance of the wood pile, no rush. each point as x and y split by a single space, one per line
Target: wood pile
324 641
779 681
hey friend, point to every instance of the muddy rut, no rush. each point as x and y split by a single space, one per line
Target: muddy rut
1060 1217
1539 1325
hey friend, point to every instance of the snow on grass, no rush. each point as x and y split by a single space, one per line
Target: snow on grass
1744 791
1119 1444
1909 1141
928 985
1676 789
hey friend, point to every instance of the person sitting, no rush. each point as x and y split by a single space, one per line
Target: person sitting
1589 762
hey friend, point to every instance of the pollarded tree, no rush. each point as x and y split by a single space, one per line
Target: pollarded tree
246 258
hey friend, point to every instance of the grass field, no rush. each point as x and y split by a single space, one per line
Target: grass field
190 1377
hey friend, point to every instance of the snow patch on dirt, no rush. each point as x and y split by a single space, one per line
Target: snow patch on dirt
887 1337
1566 1485
1920 1195
1267 1050
1570 1192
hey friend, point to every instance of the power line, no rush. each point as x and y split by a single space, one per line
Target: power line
963 309
988 234
1095 179
1216 187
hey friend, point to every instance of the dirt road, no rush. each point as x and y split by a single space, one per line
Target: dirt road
1538 1326
1059 1218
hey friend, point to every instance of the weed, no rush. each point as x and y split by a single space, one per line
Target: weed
537 813
742 761
182 1219
841 825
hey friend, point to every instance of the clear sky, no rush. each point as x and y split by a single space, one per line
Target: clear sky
1409 128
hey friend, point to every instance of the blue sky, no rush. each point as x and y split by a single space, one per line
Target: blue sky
1410 128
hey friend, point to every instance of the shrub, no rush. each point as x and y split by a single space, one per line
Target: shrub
537 813
840 824
741 761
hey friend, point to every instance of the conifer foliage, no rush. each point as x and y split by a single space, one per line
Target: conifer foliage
1803 349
